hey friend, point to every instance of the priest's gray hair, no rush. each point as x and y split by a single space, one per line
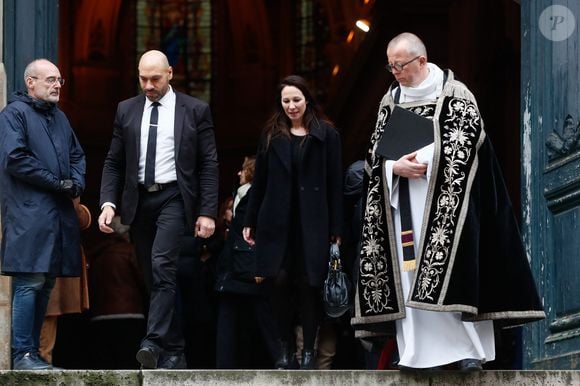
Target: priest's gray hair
414 45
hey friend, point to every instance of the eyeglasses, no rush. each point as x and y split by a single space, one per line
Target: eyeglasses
399 67
51 80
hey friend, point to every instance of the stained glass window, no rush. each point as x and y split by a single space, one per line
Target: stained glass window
312 38
182 30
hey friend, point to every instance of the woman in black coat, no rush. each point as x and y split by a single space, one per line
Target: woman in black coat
295 209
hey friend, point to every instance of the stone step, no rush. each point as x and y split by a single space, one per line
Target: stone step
287 378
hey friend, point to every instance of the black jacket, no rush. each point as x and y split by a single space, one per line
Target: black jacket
236 267
319 202
195 158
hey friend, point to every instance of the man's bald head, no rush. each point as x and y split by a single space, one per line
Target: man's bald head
409 42
154 74
153 58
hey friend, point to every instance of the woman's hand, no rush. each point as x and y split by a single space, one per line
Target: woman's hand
408 166
248 234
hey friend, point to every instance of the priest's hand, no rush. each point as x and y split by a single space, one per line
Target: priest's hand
408 166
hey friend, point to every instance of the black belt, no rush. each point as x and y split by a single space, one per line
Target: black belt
157 187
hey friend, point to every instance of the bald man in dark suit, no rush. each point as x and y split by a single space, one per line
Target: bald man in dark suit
161 173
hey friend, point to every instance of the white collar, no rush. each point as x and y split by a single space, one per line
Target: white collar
429 88
241 192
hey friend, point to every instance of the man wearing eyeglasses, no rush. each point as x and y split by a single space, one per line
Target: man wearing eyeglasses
441 254
42 170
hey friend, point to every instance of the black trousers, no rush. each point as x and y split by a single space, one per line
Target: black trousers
157 233
295 301
232 308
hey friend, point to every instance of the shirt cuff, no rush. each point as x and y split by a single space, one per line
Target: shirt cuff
392 183
108 204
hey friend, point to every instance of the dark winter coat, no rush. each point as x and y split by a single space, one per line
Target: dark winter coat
38 149
319 202
236 267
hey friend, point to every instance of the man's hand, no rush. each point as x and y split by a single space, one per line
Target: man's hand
65 185
105 219
408 166
204 227
70 188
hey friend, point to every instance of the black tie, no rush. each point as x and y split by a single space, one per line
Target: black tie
151 145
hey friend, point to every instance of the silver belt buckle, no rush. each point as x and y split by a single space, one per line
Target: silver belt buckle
154 188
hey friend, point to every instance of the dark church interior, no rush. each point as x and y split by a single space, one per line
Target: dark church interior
232 54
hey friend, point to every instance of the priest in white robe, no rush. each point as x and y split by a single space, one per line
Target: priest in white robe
445 299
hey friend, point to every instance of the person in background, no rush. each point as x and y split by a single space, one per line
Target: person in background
163 164
70 295
239 294
118 294
295 211
197 303
440 254
42 170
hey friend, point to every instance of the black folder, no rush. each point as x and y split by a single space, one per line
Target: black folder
404 133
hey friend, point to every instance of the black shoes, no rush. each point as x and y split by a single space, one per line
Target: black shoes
148 357
308 361
470 365
465 365
420 370
287 358
151 358
172 362
31 361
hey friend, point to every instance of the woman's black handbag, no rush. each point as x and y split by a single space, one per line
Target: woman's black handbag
337 287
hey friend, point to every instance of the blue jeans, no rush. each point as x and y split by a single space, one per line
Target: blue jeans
30 294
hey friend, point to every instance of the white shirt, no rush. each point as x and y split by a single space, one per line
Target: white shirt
165 150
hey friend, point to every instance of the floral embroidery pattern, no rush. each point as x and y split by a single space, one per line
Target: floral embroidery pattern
424 111
374 278
375 281
459 132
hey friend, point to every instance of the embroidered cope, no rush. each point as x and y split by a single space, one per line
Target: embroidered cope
470 257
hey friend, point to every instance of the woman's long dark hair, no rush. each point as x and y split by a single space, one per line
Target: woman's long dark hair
279 123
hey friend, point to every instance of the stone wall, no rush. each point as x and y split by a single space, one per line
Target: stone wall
295 378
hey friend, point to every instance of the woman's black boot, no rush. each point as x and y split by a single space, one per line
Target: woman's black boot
308 360
286 358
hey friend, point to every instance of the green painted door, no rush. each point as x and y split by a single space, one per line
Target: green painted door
550 82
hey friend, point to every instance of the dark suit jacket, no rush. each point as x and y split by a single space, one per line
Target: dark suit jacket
195 158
